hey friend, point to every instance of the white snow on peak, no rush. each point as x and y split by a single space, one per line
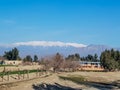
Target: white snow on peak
49 44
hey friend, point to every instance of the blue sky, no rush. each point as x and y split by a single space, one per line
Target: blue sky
79 21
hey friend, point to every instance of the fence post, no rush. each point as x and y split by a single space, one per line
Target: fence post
4 69
40 72
23 74
37 73
8 75
28 74
2 76
18 74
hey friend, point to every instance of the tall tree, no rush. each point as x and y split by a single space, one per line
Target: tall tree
110 60
90 58
73 57
15 53
95 57
12 54
35 58
77 56
28 58
57 62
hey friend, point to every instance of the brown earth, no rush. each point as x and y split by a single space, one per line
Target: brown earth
51 79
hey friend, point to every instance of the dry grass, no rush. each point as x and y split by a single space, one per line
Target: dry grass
106 77
15 68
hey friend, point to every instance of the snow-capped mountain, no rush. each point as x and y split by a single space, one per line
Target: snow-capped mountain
44 48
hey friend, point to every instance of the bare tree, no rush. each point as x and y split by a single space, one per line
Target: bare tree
57 62
71 65
46 64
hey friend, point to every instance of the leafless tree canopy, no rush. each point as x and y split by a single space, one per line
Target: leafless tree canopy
59 63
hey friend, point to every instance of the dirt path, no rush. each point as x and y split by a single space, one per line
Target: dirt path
27 84
54 79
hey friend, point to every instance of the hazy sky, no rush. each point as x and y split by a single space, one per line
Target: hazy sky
79 21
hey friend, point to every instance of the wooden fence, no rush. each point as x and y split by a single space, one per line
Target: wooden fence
21 74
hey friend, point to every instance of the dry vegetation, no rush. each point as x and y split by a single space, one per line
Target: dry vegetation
111 78
58 80
15 68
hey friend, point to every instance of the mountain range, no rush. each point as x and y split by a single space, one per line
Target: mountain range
46 48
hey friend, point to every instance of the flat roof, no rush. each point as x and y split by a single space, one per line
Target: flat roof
83 62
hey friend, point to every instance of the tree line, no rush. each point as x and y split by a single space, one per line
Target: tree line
110 59
59 63
14 55
90 58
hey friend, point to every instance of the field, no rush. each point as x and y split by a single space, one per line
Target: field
68 81
15 68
